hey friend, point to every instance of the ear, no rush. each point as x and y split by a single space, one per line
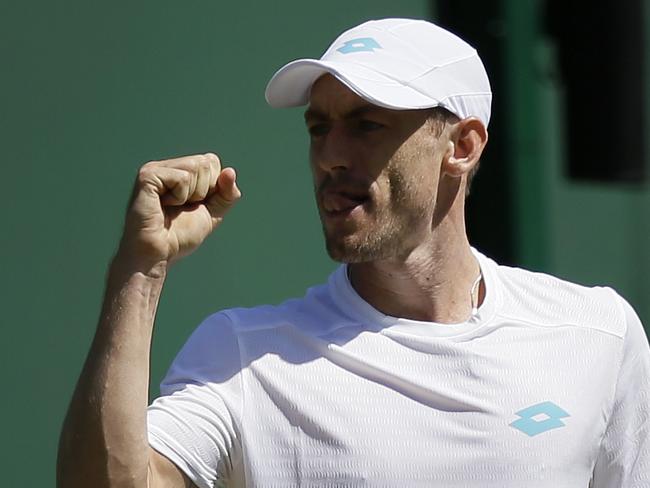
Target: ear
464 148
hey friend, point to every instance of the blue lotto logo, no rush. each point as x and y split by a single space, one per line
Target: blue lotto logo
359 45
539 418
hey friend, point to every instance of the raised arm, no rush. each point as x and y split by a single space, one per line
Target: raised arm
175 205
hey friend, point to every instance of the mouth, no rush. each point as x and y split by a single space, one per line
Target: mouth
342 203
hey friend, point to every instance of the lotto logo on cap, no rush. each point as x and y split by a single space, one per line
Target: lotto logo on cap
361 44
394 63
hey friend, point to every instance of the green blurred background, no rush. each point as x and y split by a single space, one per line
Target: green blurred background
92 90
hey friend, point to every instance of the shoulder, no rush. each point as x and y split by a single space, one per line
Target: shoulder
548 301
314 312
217 339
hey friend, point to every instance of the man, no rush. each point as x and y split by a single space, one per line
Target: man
419 363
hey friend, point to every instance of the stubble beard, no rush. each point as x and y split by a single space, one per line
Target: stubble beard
385 237
363 245
393 228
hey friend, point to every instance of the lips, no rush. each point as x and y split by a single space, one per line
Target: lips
334 202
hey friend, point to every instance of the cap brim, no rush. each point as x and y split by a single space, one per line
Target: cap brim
291 85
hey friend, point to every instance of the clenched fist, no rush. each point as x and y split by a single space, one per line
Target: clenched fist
175 205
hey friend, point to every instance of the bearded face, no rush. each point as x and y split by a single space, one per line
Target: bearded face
375 174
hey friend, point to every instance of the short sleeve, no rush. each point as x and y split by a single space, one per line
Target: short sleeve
194 422
624 456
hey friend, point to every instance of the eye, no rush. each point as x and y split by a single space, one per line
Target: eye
366 125
318 130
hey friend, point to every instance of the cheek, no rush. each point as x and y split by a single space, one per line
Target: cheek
412 183
317 174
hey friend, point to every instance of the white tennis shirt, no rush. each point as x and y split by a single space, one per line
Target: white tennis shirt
547 386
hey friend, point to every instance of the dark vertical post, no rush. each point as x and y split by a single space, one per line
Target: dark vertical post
600 50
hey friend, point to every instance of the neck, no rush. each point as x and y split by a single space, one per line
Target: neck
432 283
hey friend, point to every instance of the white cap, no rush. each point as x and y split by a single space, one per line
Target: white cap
397 64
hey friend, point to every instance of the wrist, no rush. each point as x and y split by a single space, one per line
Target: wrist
126 263
133 290
124 268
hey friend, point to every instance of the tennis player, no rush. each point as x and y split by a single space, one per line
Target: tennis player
420 362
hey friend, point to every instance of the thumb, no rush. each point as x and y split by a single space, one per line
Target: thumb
225 195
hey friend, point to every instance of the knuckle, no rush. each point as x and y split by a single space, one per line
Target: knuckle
185 178
213 160
204 164
192 164
148 166
211 157
145 172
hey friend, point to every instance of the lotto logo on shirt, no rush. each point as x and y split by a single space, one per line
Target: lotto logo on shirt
539 418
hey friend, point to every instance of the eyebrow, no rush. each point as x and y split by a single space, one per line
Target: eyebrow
315 114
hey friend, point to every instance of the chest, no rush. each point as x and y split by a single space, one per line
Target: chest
449 415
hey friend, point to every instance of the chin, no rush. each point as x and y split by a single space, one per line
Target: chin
348 256
351 249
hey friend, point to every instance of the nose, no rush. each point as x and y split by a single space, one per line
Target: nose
333 153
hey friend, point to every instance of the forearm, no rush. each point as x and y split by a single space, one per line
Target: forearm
176 204
104 438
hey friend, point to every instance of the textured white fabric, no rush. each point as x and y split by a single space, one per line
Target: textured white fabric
327 391
394 63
